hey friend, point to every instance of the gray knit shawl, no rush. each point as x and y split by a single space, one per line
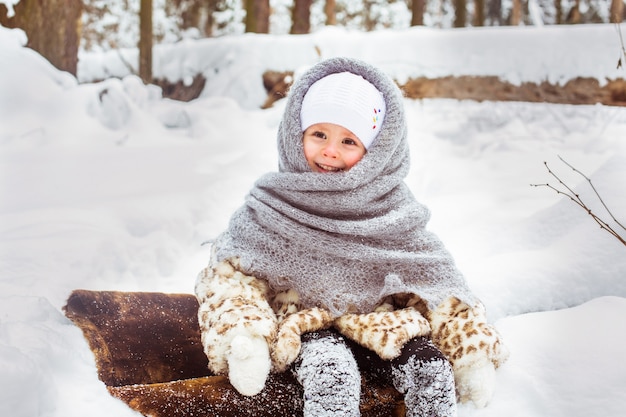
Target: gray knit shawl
343 241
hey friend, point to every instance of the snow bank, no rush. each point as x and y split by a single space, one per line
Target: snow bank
564 363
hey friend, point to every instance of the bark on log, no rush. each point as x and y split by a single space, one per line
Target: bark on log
148 352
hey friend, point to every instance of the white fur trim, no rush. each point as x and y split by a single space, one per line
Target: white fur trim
248 364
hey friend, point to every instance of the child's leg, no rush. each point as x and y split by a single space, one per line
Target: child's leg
328 372
422 373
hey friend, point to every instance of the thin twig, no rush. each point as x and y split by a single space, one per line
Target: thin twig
595 191
621 41
573 196
127 64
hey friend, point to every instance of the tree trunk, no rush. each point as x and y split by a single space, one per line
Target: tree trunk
210 20
191 13
368 22
250 16
52 27
145 41
574 16
257 16
460 13
331 13
495 12
516 13
558 11
479 13
417 12
617 11
263 16
301 17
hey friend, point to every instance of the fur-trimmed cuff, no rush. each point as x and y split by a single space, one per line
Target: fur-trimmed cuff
248 364
384 332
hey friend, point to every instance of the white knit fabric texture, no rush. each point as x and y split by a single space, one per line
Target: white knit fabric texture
348 100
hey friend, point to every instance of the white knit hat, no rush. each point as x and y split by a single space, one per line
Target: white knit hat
348 100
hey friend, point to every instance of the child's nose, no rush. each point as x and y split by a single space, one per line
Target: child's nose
330 150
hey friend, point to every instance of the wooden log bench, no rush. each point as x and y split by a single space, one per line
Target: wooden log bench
148 353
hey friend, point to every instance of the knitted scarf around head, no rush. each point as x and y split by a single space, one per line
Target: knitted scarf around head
346 240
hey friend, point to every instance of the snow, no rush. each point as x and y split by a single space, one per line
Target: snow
232 65
107 186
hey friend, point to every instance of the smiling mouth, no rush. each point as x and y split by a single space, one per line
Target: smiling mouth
328 168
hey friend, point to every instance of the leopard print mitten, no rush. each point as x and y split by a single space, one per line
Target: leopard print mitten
237 324
384 332
287 345
472 345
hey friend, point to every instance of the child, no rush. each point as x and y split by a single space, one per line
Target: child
328 269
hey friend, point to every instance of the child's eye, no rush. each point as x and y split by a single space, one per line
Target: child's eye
319 134
349 141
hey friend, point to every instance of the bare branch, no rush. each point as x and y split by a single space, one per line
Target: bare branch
595 191
127 64
573 196
620 64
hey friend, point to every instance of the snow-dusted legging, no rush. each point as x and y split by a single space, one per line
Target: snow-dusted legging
328 369
423 374
329 376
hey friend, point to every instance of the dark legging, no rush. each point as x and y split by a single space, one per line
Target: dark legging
329 367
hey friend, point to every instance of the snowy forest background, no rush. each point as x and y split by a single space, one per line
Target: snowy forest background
108 24
61 30
107 185
58 29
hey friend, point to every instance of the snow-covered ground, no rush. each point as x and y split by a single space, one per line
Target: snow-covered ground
108 186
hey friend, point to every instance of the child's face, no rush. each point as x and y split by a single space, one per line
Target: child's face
331 148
